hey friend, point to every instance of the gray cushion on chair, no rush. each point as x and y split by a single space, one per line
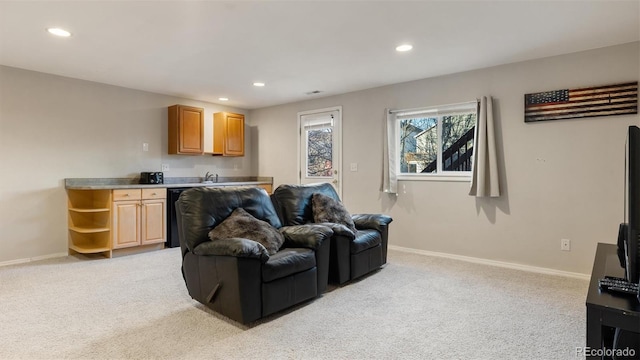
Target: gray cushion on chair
240 224
328 210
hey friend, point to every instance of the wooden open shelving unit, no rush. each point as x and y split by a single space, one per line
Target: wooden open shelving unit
89 221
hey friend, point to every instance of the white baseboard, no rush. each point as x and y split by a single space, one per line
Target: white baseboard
534 269
35 258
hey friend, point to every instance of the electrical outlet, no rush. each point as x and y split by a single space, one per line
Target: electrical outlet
565 244
165 167
353 167
145 146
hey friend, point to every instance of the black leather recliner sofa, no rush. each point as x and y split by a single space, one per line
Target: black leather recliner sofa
351 255
237 277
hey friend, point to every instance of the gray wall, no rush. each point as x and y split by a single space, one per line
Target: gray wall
560 179
53 128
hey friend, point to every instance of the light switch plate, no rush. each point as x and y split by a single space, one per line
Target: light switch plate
354 167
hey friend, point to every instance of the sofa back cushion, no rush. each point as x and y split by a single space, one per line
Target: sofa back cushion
203 208
293 202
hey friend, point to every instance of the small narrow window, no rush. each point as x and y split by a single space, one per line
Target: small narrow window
436 140
318 142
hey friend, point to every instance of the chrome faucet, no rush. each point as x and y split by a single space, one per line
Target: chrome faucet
209 177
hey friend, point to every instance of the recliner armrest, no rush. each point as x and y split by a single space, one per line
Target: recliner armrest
237 247
340 230
309 236
371 221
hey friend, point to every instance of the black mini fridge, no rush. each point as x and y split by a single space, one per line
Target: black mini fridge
172 227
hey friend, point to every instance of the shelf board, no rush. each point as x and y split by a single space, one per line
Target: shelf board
91 210
88 230
89 250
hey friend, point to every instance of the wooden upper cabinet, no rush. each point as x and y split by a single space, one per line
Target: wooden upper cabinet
186 130
228 134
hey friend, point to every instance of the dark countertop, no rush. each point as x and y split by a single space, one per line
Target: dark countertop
134 183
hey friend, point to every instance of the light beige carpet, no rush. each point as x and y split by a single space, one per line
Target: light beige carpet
417 307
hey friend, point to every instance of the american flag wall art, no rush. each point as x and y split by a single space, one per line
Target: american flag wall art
618 99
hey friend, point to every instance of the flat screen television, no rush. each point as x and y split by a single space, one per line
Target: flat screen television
628 237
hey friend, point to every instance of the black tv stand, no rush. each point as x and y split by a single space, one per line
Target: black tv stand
607 311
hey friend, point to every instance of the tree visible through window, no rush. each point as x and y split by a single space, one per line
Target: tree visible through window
436 142
319 152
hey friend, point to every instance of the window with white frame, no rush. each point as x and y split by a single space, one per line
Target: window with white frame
436 141
318 141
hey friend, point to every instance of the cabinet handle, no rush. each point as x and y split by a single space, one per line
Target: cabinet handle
126 195
153 194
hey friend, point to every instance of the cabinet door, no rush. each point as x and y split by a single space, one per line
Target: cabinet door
153 221
126 224
191 129
228 134
186 130
234 142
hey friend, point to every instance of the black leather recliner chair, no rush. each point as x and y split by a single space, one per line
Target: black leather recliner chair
237 277
351 256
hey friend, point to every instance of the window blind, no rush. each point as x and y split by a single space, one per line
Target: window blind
317 122
434 111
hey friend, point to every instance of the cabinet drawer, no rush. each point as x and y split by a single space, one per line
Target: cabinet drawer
155 193
126 194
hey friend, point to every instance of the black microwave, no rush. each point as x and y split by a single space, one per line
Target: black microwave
151 178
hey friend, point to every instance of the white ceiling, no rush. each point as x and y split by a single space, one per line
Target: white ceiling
204 49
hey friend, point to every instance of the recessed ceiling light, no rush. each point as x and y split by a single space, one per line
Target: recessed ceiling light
404 47
59 32
223 99
258 84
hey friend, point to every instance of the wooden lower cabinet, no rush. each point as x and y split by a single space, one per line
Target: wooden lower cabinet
106 221
138 217
152 226
126 224
267 187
